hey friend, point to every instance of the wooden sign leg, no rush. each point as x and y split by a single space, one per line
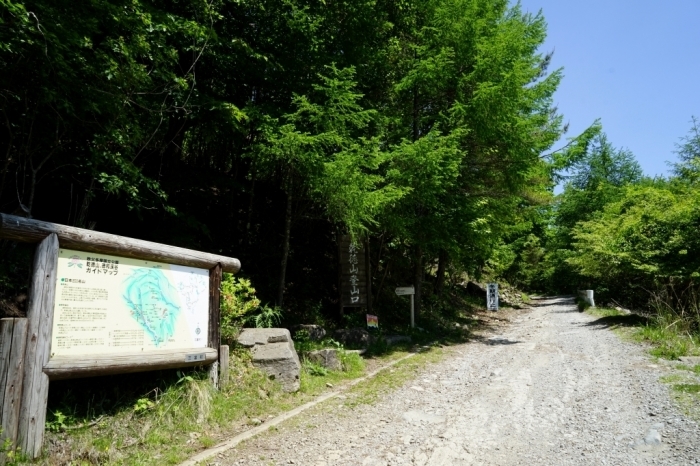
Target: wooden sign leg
215 319
40 316
13 336
223 365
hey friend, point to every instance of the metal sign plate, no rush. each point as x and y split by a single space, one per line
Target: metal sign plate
405 290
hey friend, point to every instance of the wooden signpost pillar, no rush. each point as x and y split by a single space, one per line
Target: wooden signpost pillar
36 354
214 319
13 336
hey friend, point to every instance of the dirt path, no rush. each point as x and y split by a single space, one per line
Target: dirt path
553 388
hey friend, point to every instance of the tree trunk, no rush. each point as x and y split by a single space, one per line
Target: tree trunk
32 191
81 221
381 283
8 158
250 210
442 266
368 267
418 277
285 246
341 309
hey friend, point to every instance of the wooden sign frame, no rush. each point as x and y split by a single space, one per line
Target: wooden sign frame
24 395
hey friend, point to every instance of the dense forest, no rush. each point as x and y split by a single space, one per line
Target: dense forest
266 129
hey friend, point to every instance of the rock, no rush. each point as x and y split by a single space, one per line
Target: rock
354 337
475 289
250 337
272 350
395 339
327 358
315 332
653 437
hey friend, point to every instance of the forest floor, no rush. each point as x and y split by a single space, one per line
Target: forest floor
547 385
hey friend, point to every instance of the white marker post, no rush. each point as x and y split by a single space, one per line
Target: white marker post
492 296
408 290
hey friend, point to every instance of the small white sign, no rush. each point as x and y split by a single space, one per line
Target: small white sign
195 357
405 290
492 296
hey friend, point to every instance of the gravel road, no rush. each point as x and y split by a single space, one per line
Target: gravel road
552 387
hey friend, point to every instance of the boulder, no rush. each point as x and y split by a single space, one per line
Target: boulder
315 332
272 351
475 289
354 337
327 358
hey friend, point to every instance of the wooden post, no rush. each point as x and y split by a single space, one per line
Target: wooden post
13 337
223 365
215 319
38 347
341 309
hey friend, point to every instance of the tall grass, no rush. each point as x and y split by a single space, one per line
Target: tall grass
674 323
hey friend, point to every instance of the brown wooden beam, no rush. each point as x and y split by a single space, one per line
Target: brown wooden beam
214 337
33 231
71 367
13 338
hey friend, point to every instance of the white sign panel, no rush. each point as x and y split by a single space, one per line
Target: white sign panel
108 305
405 290
492 296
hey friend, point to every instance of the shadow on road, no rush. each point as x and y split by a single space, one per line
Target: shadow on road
493 341
631 320
552 301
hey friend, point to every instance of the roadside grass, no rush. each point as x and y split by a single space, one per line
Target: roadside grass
685 389
163 418
372 390
669 339
95 424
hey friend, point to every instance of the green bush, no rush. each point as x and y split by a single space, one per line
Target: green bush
238 302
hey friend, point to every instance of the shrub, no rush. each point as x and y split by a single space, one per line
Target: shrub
238 302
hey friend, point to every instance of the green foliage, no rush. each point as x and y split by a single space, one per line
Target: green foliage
687 387
688 151
266 317
314 369
11 456
57 421
142 405
422 128
238 303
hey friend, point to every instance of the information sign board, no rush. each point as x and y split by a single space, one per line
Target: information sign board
114 305
405 290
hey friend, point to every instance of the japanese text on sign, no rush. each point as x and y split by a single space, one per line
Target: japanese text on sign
110 305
